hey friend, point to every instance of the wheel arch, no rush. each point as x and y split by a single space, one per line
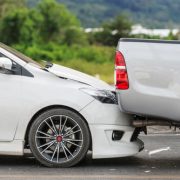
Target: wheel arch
49 108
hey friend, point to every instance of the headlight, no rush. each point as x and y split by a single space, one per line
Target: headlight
103 96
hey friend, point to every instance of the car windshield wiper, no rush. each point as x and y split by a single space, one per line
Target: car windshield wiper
48 64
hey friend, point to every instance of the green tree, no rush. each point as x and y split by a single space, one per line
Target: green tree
113 30
75 35
20 26
48 22
7 6
56 19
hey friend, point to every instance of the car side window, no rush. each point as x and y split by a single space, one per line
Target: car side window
8 66
3 69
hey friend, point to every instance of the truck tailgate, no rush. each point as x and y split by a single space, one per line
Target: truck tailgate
153 69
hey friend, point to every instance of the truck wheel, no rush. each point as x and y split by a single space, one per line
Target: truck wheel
59 138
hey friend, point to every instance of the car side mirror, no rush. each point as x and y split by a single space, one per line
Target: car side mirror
6 63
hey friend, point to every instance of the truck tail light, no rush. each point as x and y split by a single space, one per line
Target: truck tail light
121 76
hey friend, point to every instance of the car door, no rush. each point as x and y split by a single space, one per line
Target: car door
10 102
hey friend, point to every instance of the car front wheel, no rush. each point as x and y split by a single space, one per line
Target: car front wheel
59 138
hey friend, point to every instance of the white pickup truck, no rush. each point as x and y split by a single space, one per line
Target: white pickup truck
147 78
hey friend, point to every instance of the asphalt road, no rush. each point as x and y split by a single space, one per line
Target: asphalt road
159 160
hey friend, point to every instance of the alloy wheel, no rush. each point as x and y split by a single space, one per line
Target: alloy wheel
59 139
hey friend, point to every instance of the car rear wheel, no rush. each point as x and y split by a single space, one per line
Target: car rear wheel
59 138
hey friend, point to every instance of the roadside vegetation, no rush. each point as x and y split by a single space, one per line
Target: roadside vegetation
49 31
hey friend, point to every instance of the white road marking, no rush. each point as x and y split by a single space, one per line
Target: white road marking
161 134
159 150
112 169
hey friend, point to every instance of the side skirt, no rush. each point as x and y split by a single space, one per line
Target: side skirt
15 147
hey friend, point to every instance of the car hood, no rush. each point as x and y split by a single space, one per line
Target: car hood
72 74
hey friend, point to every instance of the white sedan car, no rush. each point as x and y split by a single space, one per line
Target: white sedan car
59 114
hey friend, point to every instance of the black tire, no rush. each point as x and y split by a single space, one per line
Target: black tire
80 138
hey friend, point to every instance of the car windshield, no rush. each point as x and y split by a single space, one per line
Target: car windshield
20 55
